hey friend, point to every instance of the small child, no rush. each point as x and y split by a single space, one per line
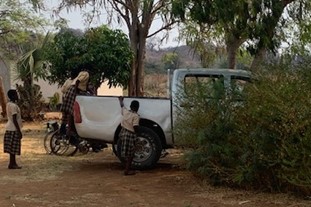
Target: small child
130 126
13 134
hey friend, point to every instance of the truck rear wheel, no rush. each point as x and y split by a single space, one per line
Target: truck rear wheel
148 149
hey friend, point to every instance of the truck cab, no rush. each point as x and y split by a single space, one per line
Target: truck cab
184 80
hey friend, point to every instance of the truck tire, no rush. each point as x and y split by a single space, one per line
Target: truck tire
148 149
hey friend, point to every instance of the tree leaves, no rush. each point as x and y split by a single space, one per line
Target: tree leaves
103 52
262 24
16 21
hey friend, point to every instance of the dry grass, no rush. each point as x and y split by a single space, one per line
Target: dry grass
156 85
37 164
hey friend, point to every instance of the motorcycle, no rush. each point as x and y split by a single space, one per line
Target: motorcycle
69 144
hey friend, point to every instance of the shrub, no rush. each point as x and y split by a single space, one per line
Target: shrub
54 101
262 142
275 129
30 101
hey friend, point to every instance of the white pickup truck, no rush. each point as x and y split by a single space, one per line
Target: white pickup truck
101 115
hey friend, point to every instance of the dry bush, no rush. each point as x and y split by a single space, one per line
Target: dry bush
156 85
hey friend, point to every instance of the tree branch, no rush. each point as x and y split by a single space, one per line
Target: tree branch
4 32
4 13
157 7
126 4
124 14
165 27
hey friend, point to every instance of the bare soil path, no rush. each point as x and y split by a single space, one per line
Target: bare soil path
96 180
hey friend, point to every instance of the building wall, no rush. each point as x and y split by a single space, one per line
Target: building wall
49 90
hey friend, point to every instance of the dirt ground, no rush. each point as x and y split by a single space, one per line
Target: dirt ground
96 180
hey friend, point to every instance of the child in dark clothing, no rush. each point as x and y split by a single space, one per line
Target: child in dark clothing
78 86
13 134
130 125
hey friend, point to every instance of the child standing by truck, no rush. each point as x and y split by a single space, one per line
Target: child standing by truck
13 134
130 125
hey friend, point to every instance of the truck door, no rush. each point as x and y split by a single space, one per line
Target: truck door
206 86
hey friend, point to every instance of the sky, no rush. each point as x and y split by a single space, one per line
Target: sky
77 21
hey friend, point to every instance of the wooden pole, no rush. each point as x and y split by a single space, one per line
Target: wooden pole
3 99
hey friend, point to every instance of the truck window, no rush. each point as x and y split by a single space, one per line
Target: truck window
237 85
205 85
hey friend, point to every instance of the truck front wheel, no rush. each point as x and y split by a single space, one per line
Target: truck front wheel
148 149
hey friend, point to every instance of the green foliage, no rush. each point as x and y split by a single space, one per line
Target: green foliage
110 55
103 52
171 60
195 99
63 54
208 22
17 19
276 122
54 101
204 125
138 16
263 25
30 101
31 66
262 142
297 27
154 67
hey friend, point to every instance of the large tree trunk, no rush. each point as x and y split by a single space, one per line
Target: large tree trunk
138 35
138 16
136 85
141 67
232 44
259 56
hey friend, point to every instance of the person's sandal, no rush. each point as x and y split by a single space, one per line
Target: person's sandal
129 172
14 167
